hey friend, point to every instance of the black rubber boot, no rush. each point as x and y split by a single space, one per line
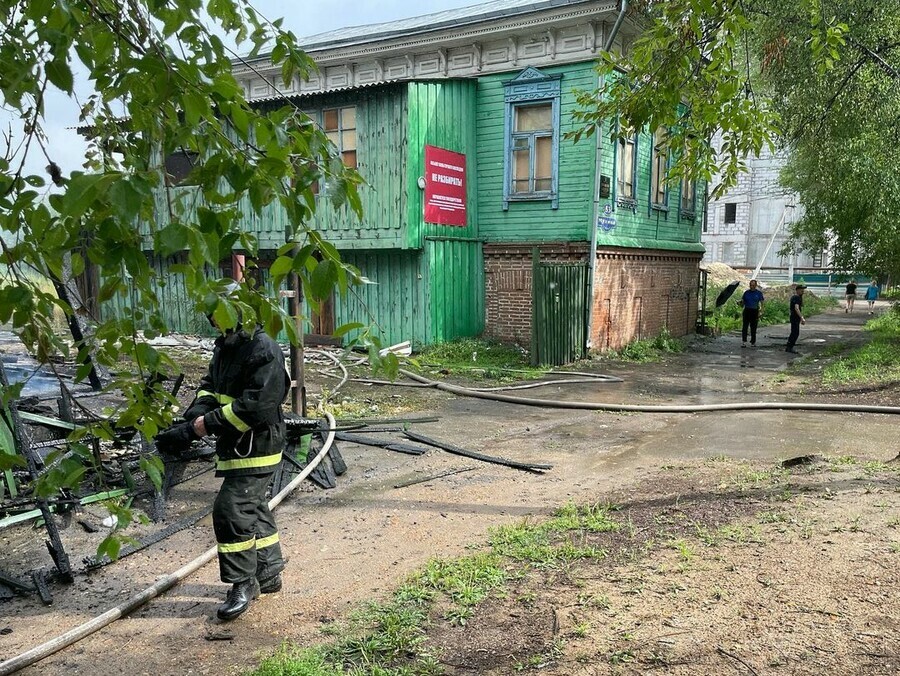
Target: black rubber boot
238 600
270 586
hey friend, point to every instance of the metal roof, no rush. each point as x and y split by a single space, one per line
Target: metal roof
451 18
292 96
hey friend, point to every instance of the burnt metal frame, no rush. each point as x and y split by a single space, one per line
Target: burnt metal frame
23 447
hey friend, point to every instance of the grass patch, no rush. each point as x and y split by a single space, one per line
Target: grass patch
291 660
480 359
392 638
547 545
834 349
748 478
388 639
876 362
648 349
350 407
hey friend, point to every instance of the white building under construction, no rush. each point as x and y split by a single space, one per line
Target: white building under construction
747 226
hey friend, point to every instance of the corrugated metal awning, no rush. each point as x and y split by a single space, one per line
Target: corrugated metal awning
292 96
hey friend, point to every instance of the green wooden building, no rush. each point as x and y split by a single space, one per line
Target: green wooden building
561 246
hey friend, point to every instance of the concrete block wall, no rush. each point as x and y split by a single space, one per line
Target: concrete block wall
637 293
760 201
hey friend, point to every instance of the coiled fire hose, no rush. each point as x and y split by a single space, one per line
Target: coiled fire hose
163 584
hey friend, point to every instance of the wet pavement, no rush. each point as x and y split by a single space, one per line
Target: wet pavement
720 370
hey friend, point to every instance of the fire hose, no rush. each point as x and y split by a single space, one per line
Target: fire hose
651 408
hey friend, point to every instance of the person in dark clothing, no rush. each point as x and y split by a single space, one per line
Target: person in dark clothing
239 401
752 302
797 319
850 296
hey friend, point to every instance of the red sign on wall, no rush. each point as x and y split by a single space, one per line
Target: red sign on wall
445 187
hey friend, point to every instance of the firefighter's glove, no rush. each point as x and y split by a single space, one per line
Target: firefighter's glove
176 439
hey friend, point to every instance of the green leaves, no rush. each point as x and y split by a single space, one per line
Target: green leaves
129 220
822 79
82 191
281 267
172 239
152 466
59 73
686 73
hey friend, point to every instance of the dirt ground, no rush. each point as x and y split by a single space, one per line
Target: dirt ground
732 568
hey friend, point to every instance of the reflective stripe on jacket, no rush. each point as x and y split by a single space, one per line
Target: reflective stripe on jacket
240 400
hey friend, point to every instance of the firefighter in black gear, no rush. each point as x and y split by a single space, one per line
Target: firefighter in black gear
239 400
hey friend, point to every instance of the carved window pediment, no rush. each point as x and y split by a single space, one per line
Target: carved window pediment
532 137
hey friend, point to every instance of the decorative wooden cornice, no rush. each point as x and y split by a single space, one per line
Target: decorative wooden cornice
566 34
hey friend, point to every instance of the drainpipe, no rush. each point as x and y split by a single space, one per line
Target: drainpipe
592 251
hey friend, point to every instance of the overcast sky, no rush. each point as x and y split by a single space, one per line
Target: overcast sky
308 17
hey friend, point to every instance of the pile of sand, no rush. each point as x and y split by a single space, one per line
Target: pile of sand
720 275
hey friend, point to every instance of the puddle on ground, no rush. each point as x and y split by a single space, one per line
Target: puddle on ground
39 382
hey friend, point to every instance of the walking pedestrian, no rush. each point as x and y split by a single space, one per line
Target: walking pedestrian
752 302
239 401
872 295
796 310
850 296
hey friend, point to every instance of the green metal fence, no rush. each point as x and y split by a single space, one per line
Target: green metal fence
559 312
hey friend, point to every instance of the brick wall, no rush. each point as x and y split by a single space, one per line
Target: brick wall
637 293
507 286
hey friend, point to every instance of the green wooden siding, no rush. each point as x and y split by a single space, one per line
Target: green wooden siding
535 221
179 311
395 303
441 114
572 221
644 227
455 288
381 158
425 297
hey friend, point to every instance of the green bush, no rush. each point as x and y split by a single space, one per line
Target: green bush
887 324
649 349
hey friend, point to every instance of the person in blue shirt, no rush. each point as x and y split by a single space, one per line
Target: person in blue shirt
752 302
872 295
